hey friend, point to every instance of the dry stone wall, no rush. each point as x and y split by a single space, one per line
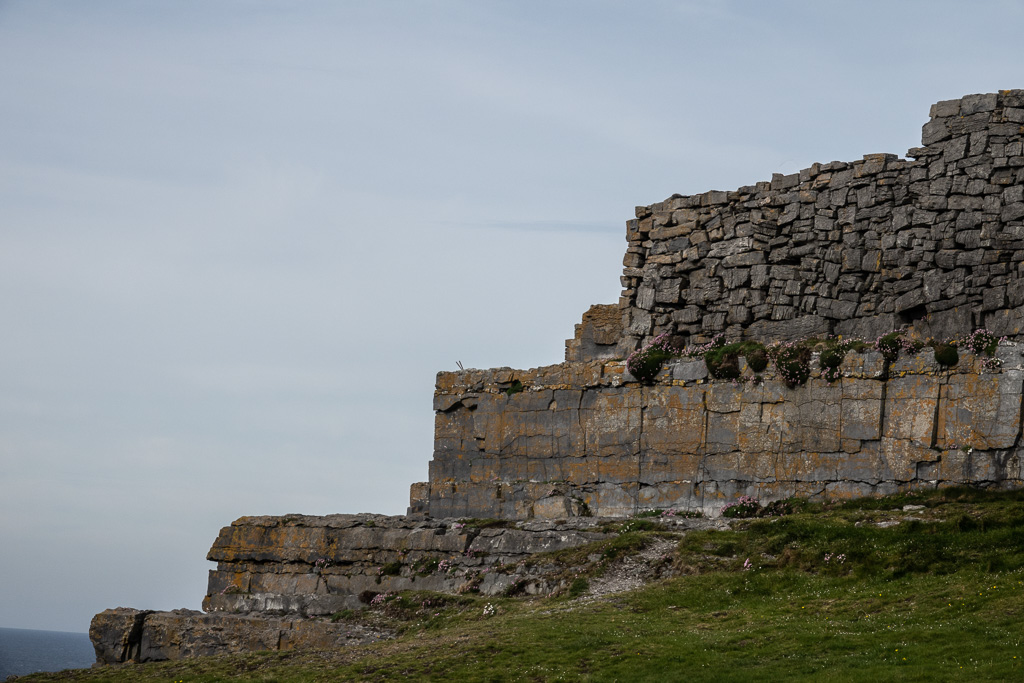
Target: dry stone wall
854 248
586 438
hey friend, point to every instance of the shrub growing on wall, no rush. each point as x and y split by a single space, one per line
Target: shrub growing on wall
793 361
645 363
946 354
724 361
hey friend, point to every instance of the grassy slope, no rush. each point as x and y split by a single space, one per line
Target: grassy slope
938 596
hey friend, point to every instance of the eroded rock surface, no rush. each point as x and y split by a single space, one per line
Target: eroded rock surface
122 635
586 437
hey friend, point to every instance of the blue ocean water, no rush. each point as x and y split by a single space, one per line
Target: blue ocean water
24 652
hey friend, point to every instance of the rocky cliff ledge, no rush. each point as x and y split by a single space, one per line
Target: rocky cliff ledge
279 578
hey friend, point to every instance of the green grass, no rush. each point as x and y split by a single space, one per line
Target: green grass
936 597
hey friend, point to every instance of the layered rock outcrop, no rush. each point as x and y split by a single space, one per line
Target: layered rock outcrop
316 566
129 635
279 580
587 438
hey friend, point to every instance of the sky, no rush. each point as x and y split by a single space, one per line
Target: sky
238 239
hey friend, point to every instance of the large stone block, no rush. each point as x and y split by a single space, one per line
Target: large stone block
611 421
911 407
980 411
673 420
861 416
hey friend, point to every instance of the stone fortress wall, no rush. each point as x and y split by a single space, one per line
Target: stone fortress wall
859 249
587 438
853 248
935 245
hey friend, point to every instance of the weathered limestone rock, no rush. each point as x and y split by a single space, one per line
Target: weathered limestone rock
277 578
617 446
316 566
122 635
598 334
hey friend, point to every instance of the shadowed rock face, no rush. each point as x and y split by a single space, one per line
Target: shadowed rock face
587 437
122 635
854 248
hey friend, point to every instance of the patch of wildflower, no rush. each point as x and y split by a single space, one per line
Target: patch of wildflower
892 344
645 363
320 565
747 565
777 508
980 341
839 558
831 373
746 506
458 527
446 566
831 357
472 585
381 598
490 610
991 363
793 361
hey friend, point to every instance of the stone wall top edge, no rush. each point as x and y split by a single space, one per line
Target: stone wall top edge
613 373
408 522
978 103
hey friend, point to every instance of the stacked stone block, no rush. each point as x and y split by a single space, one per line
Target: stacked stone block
858 248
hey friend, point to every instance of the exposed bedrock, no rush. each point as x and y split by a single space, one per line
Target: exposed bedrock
127 635
279 578
586 438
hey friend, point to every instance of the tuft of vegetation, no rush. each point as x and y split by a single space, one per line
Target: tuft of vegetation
514 388
757 359
980 341
391 569
578 587
793 361
645 363
723 362
744 507
946 355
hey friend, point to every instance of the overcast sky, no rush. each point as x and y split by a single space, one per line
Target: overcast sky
238 239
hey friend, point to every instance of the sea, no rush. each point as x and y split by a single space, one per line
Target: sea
24 651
